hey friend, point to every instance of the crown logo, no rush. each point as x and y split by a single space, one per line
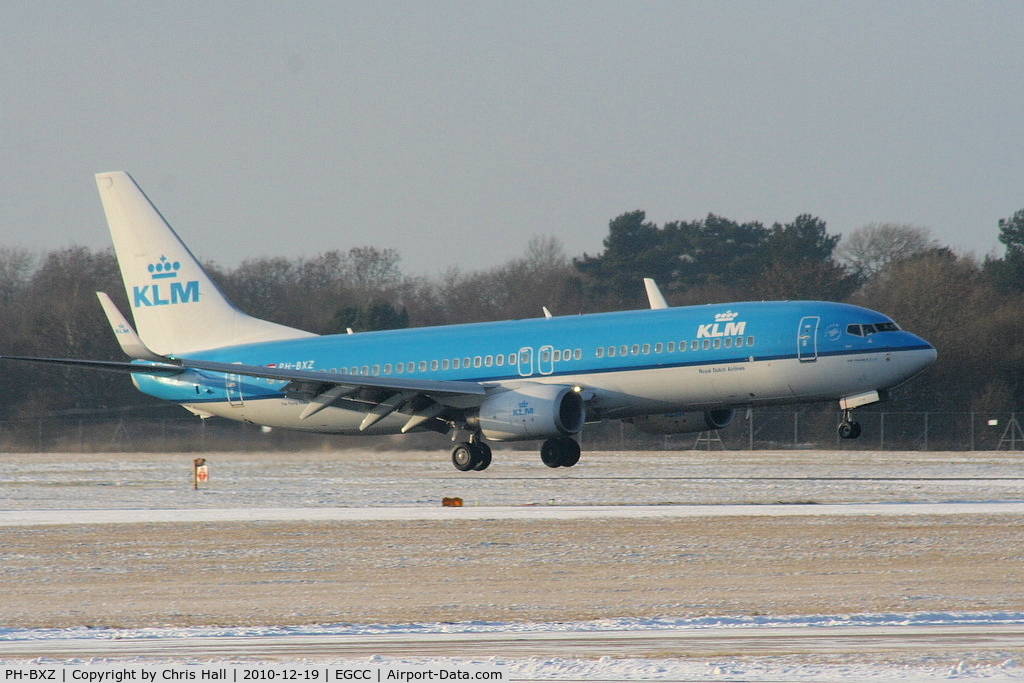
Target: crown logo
163 269
726 317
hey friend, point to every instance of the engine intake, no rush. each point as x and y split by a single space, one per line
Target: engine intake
533 411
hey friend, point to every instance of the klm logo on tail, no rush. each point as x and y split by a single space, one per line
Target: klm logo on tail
165 293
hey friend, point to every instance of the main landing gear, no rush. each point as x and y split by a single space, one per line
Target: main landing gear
561 452
849 428
475 455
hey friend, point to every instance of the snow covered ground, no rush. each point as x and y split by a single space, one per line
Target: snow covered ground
850 647
37 489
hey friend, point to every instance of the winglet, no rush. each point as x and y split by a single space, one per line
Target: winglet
130 342
654 294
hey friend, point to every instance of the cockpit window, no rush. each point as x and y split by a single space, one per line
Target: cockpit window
868 329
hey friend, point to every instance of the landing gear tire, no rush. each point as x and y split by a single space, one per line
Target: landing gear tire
468 457
849 429
483 456
563 452
463 457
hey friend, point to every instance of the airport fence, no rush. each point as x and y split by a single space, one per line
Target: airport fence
808 428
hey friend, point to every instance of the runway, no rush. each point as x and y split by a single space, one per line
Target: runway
9 518
532 569
920 641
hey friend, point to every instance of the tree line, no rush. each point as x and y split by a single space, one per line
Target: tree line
969 308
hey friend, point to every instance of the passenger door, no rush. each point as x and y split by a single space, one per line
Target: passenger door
807 339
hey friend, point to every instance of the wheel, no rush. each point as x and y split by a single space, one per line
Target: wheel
563 452
483 459
849 430
551 453
464 457
571 456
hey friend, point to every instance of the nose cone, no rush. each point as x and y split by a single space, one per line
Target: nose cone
917 355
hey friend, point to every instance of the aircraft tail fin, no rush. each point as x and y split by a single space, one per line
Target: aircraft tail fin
177 308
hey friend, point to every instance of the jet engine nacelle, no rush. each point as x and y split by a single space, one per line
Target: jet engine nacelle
681 423
534 411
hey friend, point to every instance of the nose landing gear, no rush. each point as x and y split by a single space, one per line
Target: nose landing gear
849 428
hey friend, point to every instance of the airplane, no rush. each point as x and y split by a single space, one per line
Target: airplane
665 369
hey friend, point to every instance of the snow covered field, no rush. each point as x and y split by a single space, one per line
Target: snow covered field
972 501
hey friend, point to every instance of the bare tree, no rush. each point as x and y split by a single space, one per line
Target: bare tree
870 249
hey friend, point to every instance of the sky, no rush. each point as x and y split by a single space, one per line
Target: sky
454 132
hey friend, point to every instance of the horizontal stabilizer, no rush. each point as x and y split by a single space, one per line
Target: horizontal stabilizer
108 365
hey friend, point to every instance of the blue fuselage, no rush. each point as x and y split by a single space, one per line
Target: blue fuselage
625 363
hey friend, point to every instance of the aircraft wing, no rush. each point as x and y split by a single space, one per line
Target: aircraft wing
178 366
425 386
422 399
